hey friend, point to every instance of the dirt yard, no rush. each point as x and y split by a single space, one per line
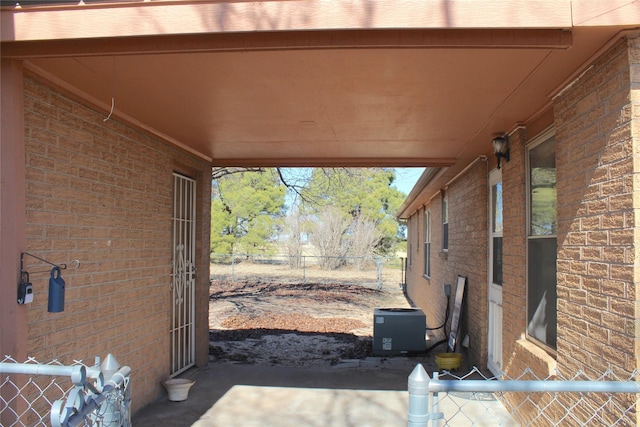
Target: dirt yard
294 324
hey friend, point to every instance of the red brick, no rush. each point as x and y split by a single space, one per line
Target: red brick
596 207
622 342
597 238
613 322
620 169
623 273
614 356
590 223
591 253
598 269
621 237
578 238
613 220
597 301
77 212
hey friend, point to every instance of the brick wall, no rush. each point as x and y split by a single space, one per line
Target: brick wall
597 131
597 285
467 256
428 293
597 207
101 192
596 229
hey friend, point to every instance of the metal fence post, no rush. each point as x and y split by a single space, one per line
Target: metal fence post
304 269
434 413
418 415
233 267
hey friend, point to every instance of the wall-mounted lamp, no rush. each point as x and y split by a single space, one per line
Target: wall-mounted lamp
501 148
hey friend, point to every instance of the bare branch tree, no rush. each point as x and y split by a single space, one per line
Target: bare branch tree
294 228
364 236
292 182
219 172
327 237
296 184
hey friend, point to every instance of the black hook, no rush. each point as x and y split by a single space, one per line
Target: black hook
60 266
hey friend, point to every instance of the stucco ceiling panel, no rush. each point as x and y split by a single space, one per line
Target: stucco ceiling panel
423 89
384 101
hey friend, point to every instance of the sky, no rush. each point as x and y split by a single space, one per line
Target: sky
406 178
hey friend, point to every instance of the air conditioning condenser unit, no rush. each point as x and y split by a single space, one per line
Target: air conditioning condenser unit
398 331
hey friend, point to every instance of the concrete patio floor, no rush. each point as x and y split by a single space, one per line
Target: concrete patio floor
370 392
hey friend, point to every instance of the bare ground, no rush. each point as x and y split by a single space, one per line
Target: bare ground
294 324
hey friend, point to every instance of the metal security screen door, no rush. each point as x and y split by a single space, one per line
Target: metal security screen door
494 362
183 274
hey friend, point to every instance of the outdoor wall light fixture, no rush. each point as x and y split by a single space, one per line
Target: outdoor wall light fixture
501 148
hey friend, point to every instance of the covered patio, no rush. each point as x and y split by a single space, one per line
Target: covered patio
105 103
278 395
371 393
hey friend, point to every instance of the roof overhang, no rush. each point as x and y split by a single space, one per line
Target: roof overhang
317 83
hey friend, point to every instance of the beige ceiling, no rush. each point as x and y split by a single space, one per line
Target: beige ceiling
303 93
372 103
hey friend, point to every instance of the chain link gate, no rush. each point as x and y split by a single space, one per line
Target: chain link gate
57 395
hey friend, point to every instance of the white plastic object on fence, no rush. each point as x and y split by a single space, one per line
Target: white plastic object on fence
103 402
77 407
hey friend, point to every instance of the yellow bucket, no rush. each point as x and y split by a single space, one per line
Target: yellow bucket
448 361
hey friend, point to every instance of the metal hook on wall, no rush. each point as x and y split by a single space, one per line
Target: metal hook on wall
75 264
56 284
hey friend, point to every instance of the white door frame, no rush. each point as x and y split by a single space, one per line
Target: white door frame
183 274
494 320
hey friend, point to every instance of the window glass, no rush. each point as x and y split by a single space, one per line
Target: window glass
496 231
497 260
497 207
445 223
542 296
542 246
542 183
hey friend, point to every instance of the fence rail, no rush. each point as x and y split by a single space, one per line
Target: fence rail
63 396
555 401
375 272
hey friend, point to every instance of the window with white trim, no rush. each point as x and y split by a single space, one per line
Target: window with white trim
409 241
418 215
427 243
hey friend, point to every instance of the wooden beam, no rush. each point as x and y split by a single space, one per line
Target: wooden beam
335 162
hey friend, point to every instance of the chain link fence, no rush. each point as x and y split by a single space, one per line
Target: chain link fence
526 400
53 394
374 272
